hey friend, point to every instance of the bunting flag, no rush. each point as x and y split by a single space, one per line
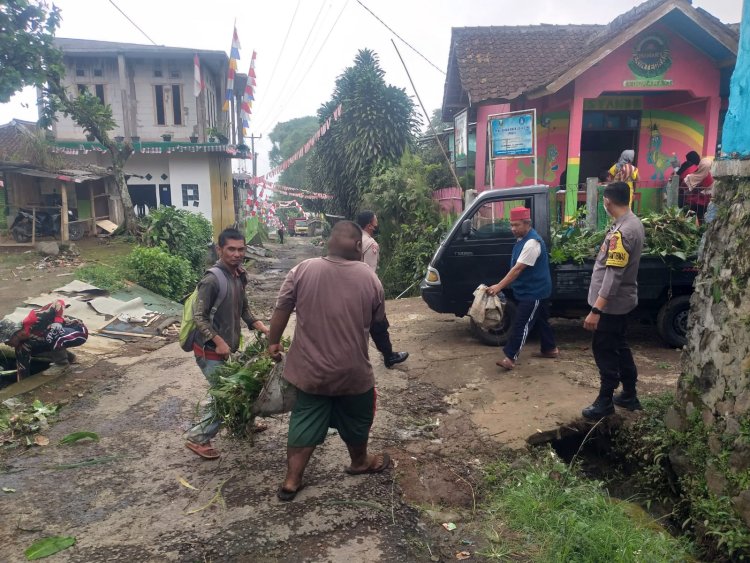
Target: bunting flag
248 97
197 78
304 149
234 56
285 190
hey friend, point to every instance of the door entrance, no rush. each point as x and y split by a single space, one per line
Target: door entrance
143 198
605 135
165 194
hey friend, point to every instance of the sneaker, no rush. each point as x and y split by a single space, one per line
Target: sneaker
395 358
627 401
600 408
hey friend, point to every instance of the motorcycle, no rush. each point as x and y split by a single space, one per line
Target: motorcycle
47 225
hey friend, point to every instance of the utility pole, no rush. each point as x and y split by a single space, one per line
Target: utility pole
255 163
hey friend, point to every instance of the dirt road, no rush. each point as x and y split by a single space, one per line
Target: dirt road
441 414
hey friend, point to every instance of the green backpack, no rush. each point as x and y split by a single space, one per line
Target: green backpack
187 327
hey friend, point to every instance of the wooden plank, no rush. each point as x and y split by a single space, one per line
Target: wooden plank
120 333
107 225
64 213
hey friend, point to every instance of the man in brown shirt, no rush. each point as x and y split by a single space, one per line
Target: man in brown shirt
337 299
613 293
218 325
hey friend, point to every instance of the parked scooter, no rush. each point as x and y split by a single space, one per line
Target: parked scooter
47 225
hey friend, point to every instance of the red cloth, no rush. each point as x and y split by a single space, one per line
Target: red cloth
520 214
206 353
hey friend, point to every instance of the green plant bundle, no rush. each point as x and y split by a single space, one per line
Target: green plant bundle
239 383
672 232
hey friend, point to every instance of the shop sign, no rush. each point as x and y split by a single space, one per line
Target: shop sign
650 60
613 103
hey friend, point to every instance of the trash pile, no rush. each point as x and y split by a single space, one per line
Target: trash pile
250 385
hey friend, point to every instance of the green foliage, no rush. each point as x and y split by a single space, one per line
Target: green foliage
558 516
256 231
27 52
179 232
672 233
287 137
48 546
163 273
377 125
239 382
78 436
102 276
19 419
410 223
646 446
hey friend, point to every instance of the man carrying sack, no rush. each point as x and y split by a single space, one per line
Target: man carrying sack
529 278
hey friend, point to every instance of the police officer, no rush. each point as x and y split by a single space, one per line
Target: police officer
613 293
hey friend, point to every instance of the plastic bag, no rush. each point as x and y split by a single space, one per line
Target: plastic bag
487 310
278 395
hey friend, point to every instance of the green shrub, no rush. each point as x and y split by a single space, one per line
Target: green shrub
161 272
102 276
180 232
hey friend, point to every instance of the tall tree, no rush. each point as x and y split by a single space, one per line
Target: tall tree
376 127
287 137
28 57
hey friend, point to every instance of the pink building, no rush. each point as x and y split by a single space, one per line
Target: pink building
655 80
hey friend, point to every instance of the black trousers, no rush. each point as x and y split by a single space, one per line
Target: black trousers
612 355
381 338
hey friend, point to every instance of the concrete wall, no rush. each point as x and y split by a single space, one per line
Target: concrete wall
191 169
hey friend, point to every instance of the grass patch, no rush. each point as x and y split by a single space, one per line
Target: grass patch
102 276
105 264
548 512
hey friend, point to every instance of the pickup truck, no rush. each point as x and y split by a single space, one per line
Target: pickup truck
478 248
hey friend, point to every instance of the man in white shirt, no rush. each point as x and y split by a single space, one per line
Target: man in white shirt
370 256
530 280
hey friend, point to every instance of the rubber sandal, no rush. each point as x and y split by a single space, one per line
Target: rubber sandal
285 495
206 451
379 469
506 363
551 354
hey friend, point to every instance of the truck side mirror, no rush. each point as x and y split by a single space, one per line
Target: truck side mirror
466 228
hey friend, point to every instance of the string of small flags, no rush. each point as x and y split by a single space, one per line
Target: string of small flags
286 190
248 97
305 148
234 56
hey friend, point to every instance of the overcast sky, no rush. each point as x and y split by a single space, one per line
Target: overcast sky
323 40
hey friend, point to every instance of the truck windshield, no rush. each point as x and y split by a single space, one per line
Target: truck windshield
491 220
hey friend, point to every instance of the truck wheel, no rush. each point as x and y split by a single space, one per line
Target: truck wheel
671 323
498 336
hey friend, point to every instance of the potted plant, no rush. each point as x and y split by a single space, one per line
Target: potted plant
90 138
119 138
212 133
193 138
135 139
167 137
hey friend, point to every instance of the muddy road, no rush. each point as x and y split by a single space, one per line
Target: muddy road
441 415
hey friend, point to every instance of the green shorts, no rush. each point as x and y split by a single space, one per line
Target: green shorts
313 415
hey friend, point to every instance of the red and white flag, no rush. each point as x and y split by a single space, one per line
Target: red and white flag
197 79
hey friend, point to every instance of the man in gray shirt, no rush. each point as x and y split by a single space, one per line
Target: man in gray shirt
613 293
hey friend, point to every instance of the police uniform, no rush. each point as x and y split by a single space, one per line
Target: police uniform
615 279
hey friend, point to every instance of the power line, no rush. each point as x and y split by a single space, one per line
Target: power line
131 21
404 41
309 67
283 45
302 50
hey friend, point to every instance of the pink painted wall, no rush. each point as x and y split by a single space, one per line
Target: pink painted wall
681 128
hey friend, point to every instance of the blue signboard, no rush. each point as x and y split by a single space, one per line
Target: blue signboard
512 135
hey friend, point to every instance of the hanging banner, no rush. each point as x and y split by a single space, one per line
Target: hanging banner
460 136
513 134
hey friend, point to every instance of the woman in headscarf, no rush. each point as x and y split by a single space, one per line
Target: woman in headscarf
625 171
701 184
692 159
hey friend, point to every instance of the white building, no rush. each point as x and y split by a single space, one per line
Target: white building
183 144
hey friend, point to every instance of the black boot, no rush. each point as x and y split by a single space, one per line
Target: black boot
602 406
395 358
627 400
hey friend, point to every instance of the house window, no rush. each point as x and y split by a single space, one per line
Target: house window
98 72
174 74
82 88
159 92
157 73
168 99
177 104
99 90
190 194
80 72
